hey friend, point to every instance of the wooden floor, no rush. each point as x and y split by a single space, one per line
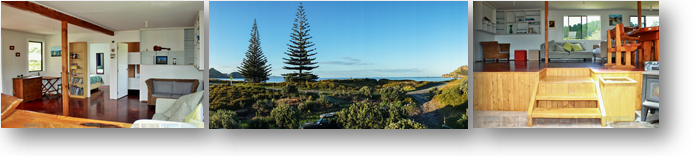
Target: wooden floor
127 109
534 65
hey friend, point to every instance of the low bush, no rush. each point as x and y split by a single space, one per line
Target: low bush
258 123
307 106
392 94
224 96
366 91
406 124
462 122
225 119
370 116
289 89
286 116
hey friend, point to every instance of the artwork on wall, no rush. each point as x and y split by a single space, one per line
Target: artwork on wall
160 59
615 18
552 24
56 51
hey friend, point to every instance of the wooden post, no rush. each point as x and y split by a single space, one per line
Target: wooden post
638 8
546 34
66 68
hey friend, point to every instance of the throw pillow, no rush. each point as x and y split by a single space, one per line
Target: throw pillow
559 48
188 105
583 46
552 45
576 47
196 116
567 47
184 102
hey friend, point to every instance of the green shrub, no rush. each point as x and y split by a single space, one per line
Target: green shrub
224 96
392 94
289 89
462 122
258 123
263 105
406 124
286 116
366 91
454 95
370 116
226 119
324 99
306 106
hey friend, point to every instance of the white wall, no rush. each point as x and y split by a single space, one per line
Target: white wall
105 48
167 72
13 66
119 36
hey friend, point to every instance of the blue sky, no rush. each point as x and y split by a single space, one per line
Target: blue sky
353 39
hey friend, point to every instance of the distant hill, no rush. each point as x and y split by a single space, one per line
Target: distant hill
213 73
458 73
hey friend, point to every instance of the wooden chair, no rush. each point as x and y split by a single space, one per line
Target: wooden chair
494 50
622 43
9 103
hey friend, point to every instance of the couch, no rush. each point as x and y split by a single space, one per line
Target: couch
184 112
556 51
169 88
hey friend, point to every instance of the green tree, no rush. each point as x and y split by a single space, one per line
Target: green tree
361 116
300 50
254 68
286 116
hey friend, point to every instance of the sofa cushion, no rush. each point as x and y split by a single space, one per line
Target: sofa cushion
176 96
590 53
196 116
560 48
576 47
162 86
583 47
552 45
185 105
567 47
182 87
162 95
160 116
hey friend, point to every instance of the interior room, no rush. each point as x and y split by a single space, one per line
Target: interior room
558 64
102 64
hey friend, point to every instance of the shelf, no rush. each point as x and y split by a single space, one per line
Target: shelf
480 30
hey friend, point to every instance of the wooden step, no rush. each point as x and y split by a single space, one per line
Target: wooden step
567 79
566 96
566 113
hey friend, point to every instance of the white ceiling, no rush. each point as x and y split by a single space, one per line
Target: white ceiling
112 15
573 5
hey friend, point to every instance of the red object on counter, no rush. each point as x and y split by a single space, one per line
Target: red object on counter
521 55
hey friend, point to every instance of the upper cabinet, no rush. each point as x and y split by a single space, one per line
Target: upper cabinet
199 41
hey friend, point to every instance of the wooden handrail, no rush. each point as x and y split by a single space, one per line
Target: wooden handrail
601 106
532 104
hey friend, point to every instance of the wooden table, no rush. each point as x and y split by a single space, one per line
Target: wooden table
648 36
49 86
29 119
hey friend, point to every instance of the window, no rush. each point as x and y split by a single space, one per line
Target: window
652 21
582 27
35 56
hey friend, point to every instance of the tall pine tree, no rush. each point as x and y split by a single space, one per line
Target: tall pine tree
254 68
299 51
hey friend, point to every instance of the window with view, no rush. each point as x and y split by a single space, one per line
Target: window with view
651 21
582 27
35 56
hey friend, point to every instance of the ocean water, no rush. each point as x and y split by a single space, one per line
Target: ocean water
434 78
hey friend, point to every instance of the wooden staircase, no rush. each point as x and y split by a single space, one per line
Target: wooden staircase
566 96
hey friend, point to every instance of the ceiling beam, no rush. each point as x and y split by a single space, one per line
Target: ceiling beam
39 9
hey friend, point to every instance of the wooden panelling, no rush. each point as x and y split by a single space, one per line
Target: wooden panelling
634 75
618 99
503 91
133 47
568 72
511 91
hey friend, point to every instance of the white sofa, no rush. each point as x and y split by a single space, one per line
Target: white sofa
169 112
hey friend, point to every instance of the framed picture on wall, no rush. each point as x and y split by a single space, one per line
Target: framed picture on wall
552 24
56 51
160 59
615 18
